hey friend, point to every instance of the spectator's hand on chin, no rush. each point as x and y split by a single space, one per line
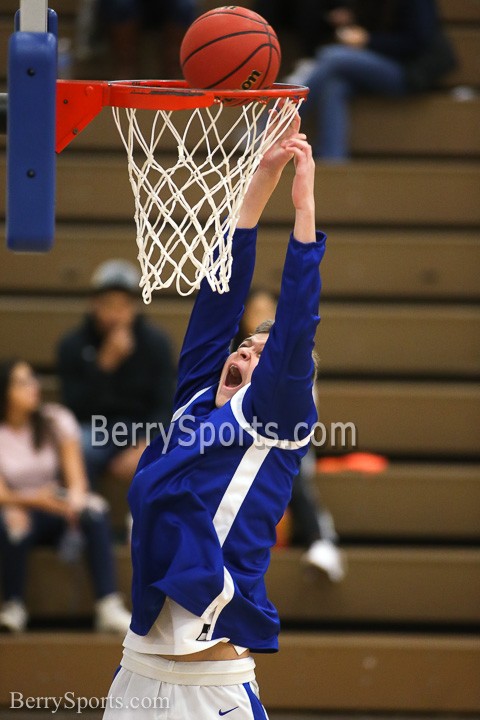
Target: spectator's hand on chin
117 346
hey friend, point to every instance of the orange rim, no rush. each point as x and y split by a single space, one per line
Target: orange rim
79 101
177 95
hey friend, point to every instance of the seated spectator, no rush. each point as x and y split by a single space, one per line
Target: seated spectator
116 365
125 21
312 525
382 46
44 498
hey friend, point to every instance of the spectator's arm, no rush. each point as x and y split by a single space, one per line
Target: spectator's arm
73 466
46 500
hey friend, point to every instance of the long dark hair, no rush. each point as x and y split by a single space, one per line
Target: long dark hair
41 427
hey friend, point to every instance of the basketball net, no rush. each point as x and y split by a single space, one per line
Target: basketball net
187 202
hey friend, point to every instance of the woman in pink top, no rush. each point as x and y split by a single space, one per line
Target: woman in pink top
43 496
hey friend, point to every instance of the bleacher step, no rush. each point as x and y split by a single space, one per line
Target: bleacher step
319 671
404 420
352 339
407 500
362 192
376 590
436 124
374 263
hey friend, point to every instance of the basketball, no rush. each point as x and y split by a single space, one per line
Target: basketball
230 48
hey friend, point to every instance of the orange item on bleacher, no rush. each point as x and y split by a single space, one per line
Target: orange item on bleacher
284 530
353 462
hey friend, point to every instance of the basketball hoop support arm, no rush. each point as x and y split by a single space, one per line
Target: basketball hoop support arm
80 101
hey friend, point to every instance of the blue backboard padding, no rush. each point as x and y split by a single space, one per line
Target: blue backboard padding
31 163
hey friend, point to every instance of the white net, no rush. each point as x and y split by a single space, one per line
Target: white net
189 171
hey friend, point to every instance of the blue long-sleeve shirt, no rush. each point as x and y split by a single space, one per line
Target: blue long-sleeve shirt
206 501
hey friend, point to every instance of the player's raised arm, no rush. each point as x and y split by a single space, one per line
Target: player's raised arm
215 317
267 176
281 389
303 189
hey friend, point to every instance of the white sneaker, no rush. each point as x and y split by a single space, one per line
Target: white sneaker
13 616
326 556
111 615
129 528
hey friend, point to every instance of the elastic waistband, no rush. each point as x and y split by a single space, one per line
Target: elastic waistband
212 672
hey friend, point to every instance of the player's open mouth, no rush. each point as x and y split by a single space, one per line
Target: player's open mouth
234 377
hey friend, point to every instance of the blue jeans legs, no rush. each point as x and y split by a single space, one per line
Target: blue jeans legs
340 73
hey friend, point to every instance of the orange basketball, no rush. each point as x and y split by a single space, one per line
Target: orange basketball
230 48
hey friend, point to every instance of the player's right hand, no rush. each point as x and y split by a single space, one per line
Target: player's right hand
278 156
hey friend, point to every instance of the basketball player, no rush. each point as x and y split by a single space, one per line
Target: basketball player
206 499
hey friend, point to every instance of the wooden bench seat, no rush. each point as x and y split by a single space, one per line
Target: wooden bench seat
429 125
465 11
406 503
359 264
442 194
465 42
407 500
378 263
352 339
377 587
319 671
423 420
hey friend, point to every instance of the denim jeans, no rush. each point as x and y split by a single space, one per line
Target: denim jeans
340 73
48 529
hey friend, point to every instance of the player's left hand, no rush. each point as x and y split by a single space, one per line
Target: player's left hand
304 180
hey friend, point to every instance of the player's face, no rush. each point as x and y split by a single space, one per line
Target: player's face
239 367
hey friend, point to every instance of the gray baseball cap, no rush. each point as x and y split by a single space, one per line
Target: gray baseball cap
116 275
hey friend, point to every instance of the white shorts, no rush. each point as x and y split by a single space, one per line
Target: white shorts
152 688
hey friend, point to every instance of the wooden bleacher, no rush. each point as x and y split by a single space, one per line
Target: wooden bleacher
400 357
370 338
411 193
392 662
337 672
371 263
303 595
